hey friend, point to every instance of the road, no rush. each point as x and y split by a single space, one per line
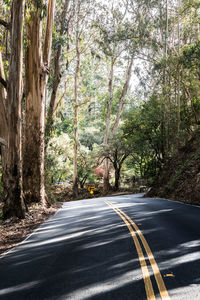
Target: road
122 247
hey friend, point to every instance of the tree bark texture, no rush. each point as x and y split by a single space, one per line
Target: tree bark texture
76 79
52 104
178 83
14 203
106 183
117 178
37 64
3 125
57 77
3 108
122 96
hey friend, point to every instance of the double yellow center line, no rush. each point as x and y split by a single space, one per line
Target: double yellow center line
134 230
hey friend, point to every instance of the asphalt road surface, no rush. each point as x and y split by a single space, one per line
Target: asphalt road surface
123 247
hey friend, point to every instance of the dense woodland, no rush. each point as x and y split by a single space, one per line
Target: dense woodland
93 92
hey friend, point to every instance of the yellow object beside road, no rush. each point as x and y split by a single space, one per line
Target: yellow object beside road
91 189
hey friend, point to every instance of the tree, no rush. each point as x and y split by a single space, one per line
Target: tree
14 202
37 70
3 121
62 28
117 152
142 131
85 166
113 46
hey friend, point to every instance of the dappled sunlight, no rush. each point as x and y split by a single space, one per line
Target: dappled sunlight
99 244
59 239
181 259
177 293
127 205
190 244
16 288
105 286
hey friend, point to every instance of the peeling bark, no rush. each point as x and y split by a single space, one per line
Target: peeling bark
3 125
14 203
106 184
76 79
37 64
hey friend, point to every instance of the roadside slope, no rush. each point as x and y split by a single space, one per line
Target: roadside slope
180 177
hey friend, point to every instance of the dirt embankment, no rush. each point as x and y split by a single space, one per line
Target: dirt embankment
180 177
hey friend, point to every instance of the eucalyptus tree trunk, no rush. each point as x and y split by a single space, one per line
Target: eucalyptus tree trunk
3 123
37 64
57 76
106 183
178 85
3 108
117 178
14 203
166 87
164 36
76 81
123 95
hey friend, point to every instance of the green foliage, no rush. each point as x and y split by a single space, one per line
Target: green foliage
59 158
151 132
144 135
7 2
190 55
90 137
86 165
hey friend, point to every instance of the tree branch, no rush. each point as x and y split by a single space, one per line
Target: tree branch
48 33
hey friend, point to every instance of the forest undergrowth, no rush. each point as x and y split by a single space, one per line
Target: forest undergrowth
180 177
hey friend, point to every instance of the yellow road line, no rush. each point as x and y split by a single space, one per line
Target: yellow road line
147 281
161 285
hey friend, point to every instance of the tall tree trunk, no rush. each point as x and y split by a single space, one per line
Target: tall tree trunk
178 85
3 108
3 125
106 183
106 186
123 95
166 91
36 75
117 178
57 77
76 80
51 108
14 203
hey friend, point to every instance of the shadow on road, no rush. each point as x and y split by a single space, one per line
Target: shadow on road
86 252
